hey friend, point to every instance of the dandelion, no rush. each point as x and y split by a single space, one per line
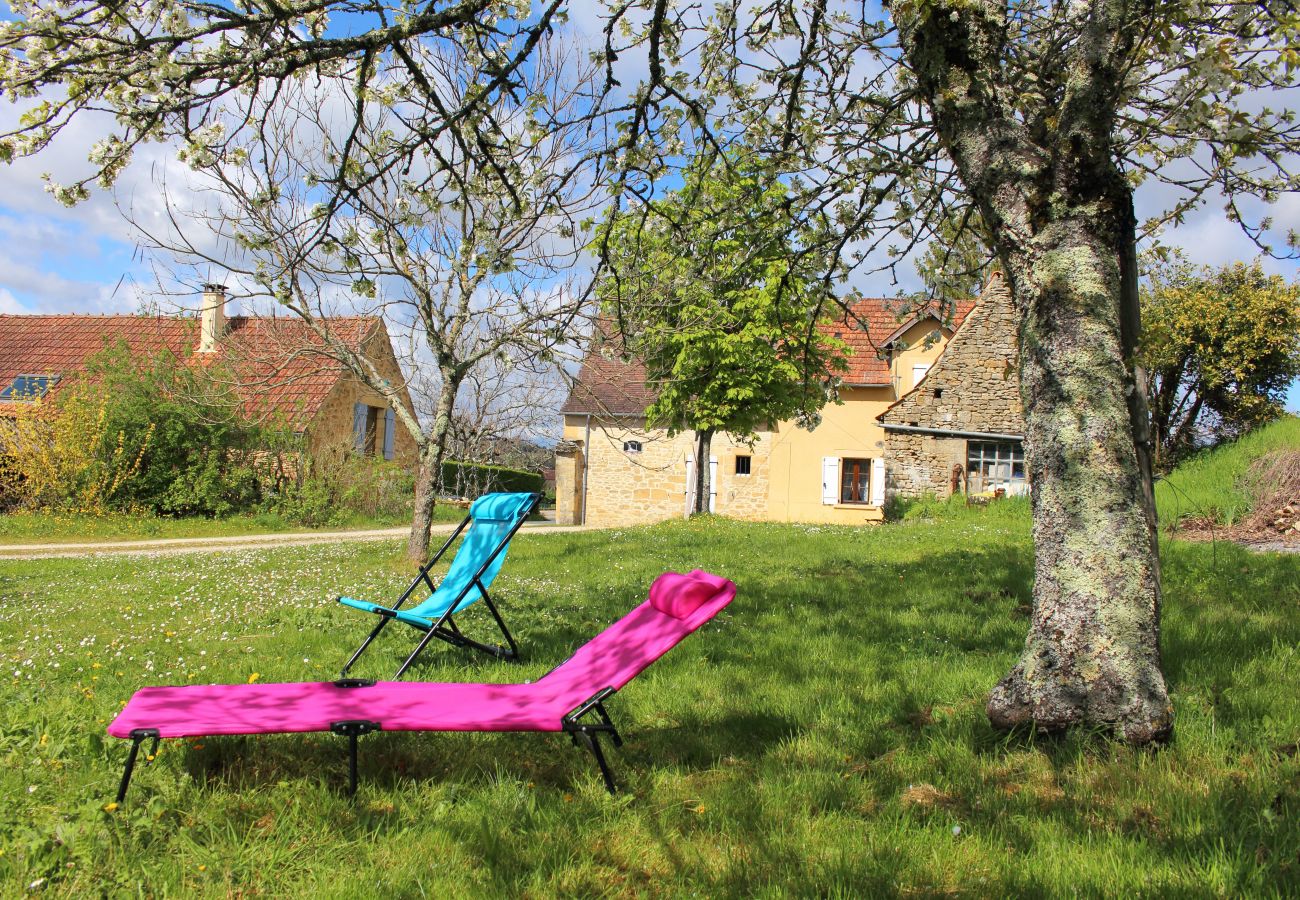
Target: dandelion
254 677
956 830
110 807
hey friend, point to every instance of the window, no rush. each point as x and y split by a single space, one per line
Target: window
631 446
742 465
992 466
855 480
919 371
26 388
372 430
370 426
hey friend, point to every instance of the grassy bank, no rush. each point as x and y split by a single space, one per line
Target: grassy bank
826 735
1213 484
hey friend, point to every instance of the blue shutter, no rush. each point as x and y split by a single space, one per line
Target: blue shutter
390 419
359 427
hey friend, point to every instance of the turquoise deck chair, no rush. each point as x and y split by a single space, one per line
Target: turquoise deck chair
492 521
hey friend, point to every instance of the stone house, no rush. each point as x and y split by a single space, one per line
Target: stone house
613 468
275 364
962 427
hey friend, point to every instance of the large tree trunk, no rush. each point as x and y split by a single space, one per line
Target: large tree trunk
1060 214
428 471
1092 656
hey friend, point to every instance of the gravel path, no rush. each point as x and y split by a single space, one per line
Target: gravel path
168 546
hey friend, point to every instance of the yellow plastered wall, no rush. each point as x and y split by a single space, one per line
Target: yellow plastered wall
922 344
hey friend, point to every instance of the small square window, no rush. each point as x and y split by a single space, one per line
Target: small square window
938 393
742 465
631 446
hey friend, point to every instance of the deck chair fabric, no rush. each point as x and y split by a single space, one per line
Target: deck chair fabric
492 522
559 701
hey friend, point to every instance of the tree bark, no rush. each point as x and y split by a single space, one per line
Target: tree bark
1060 213
703 471
1092 656
428 471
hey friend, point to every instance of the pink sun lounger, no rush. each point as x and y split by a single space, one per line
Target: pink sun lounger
561 700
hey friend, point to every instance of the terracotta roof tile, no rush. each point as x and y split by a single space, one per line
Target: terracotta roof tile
609 384
277 363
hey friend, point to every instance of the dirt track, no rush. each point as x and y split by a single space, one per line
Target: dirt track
169 546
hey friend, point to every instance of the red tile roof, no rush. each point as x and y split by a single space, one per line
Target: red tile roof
869 325
278 367
610 384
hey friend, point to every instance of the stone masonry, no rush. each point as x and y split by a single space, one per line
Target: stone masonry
973 387
627 487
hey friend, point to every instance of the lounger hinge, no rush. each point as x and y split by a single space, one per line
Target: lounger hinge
595 701
354 682
588 733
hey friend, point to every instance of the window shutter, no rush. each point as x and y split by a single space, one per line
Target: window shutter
877 482
830 480
359 427
390 420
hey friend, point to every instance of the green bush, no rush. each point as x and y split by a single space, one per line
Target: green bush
138 434
339 486
468 479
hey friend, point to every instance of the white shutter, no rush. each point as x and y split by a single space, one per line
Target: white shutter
877 482
390 421
359 427
830 480
690 487
918 372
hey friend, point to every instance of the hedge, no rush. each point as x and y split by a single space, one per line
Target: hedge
468 479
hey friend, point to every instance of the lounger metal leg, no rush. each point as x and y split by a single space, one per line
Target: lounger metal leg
352 730
383 620
513 652
613 732
138 737
588 733
419 648
593 743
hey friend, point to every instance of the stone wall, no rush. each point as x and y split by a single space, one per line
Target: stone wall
330 431
974 387
629 487
920 464
568 482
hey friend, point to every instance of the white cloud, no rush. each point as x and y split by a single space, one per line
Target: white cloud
9 303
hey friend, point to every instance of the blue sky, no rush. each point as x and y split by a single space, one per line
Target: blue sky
86 259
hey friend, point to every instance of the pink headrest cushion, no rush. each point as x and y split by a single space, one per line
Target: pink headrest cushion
680 595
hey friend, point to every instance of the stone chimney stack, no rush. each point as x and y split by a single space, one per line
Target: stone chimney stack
212 322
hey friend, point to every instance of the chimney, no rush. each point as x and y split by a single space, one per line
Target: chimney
212 322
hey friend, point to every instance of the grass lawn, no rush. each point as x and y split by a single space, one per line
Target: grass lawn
824 736
55 528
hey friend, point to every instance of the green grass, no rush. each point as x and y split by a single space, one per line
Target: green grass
824 736
55 528
1212 483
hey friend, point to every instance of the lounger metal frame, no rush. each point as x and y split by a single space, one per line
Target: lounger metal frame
444 628
585 734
